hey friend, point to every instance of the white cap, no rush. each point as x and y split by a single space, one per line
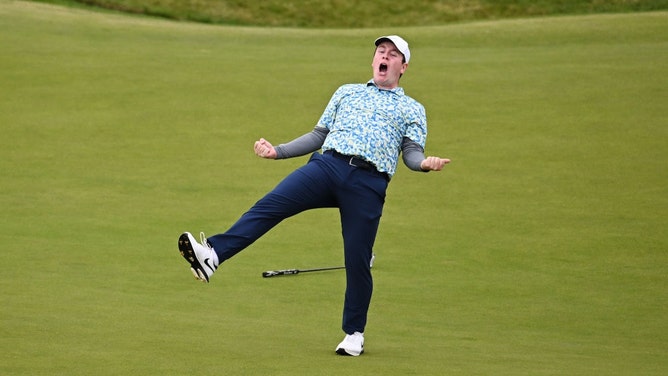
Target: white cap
399 42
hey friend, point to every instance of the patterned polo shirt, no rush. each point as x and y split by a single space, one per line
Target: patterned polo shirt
370 123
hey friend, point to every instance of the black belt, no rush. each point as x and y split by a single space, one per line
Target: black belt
358 162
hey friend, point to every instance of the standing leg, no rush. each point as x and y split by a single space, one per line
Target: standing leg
361 206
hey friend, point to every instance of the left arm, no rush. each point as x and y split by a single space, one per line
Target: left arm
414 158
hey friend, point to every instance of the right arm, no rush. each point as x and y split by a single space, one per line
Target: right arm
309 142
302 145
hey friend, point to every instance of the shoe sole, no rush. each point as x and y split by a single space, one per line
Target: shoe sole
342 351
188 253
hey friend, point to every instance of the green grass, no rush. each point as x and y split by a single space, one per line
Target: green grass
354 13
540 251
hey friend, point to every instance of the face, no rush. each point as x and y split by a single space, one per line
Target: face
388 65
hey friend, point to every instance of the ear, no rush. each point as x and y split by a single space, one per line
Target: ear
404 66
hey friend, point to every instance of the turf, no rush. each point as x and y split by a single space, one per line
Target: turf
540 251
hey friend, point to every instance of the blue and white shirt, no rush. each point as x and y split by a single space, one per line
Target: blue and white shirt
370 123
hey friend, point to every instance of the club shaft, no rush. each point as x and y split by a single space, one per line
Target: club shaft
273 273
321 269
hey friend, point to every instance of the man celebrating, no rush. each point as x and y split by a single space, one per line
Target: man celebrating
362 131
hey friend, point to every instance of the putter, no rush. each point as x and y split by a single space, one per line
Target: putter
274 273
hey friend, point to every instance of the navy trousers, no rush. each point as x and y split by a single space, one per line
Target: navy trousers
324 182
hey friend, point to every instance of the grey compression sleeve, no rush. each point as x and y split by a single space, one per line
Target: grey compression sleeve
302 145
412 154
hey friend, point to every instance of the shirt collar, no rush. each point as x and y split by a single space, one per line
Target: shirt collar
397 90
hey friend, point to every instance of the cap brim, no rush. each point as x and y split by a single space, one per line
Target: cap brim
381 40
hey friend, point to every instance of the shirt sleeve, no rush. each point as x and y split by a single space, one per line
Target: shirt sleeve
329 114
417 131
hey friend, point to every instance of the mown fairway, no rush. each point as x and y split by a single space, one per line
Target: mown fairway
540 251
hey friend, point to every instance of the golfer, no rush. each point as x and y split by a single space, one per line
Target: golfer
361 133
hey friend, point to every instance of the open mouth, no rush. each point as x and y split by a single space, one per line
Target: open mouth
382 68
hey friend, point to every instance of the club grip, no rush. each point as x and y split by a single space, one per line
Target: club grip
273 273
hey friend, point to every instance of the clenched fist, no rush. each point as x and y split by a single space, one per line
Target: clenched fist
264 149
433 164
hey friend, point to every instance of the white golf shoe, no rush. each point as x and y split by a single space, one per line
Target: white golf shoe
352 345
202 258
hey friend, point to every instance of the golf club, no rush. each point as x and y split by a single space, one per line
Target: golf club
273 273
